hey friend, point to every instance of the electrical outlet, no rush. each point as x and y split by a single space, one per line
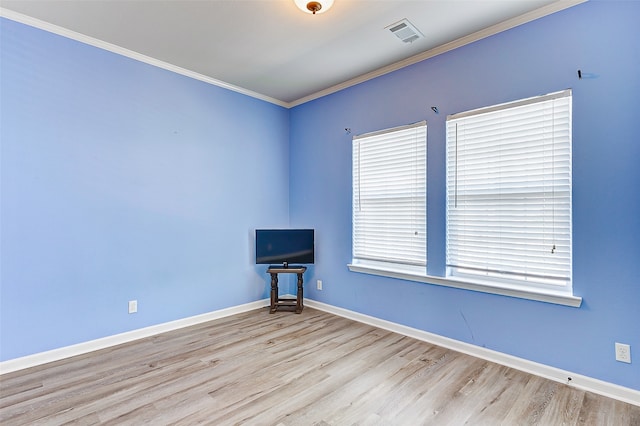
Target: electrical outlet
623 353
133 306
319 284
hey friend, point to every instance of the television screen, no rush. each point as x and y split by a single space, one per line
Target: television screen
284 246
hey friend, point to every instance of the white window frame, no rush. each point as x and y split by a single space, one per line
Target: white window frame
509 195
493 285
389 199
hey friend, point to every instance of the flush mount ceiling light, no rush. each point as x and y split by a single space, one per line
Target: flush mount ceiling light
314 7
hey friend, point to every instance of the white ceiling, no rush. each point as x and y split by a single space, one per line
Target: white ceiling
269 48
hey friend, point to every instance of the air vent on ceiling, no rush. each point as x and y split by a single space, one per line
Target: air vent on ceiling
405 31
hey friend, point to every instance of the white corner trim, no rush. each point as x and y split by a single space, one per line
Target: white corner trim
540 296
28 361
463 41
610 390
82 38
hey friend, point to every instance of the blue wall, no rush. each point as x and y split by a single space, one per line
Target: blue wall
124 181
601 39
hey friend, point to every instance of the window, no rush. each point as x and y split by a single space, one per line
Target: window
389 198
509 193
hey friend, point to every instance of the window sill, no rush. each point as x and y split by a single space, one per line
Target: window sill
541 295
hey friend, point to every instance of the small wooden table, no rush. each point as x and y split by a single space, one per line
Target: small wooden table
277 302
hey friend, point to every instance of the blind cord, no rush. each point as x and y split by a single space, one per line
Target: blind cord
359 180
456 172
553 177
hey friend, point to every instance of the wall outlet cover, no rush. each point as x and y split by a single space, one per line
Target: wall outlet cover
623 352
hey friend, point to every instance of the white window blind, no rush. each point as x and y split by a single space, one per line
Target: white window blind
509 192
389 196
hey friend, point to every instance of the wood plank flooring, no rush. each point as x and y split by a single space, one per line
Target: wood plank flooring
286 369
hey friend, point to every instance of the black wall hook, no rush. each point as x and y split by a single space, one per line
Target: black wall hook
434 109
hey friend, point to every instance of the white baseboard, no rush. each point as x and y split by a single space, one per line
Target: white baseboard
117 339
578 381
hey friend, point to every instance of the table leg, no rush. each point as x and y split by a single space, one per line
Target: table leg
299 298
274 293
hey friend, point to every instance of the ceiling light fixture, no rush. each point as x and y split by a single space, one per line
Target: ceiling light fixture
314 7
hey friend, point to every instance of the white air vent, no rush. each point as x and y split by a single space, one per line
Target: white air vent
405 31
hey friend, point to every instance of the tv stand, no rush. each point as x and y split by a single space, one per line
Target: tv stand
277 302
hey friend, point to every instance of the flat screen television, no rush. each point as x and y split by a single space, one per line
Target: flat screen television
285 246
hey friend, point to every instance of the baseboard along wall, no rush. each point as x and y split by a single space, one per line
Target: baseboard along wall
578 381
118 339
610 390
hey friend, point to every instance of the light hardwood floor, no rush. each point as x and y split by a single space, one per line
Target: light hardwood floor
286 369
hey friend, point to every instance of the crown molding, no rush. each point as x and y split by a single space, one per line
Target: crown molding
447 47
64 32
463 41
